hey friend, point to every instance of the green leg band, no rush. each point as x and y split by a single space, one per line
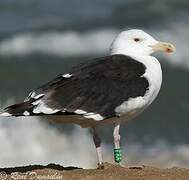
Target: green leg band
117 155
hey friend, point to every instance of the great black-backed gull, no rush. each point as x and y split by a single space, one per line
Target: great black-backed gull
107 90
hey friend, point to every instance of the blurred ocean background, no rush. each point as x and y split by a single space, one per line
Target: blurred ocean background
41 38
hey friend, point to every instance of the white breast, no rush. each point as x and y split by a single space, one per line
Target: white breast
154 75
133 106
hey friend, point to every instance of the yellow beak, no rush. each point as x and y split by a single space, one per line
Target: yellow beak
163 46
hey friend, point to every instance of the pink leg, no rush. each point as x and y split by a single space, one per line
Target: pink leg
116 136
117 149
97 142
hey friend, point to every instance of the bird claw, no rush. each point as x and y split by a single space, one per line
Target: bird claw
100 166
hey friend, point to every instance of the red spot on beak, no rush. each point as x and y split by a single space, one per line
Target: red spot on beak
168 50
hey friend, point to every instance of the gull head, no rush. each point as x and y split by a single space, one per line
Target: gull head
138 43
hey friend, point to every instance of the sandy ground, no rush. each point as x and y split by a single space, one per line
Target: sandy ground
110 172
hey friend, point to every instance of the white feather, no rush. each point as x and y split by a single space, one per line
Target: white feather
26 113
5 114
38 96
96 117
34 95
154 76
79 111
43 108
67 75
140 51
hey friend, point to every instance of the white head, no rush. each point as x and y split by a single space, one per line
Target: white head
137 42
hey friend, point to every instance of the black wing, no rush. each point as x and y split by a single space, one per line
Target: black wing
96 87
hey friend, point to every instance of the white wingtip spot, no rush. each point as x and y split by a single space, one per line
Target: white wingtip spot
32 94
67 75
79 111
26 113
36 102
64 110
38 96
5 114
43 108
35 96
89 115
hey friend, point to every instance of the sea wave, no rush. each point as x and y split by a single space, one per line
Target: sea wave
31 141
97 42
70 43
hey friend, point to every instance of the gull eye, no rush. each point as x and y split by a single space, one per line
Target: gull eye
136 39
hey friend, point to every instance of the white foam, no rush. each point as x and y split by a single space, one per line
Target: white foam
72 43
45 145
42 144
159 154
68 43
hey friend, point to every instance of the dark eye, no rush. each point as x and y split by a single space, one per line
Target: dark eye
136 39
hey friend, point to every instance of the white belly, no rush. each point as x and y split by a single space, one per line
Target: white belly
134 106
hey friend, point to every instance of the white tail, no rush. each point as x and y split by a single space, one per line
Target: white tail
5 114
